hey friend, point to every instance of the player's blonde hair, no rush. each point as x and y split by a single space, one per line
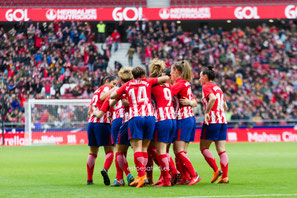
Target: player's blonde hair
156 67
125 74
185 70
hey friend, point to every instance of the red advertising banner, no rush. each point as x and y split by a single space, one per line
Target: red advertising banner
234 135
60 137
259 135
138 13
14 139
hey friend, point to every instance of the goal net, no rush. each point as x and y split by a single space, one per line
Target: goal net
61 121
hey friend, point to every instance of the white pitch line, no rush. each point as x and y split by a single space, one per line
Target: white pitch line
220 196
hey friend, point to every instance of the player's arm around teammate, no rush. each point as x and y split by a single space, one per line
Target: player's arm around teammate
215 125
122 143
181 73
141 114
165 125
99 131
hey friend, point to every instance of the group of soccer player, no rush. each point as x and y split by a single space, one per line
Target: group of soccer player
150 114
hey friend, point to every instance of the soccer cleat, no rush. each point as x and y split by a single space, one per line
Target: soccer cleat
90 182
117 183
143 181
150 180
130 179
135 182
216 175
105 177
175 178
164 183
195 180
183 181
223 181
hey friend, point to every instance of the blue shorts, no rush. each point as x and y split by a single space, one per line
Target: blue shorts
165 131
99 134
141 127
214 132
123 135
186 129
115 128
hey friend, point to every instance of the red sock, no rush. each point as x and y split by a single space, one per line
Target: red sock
91 165
186 161
224 163
164 165
139 163
108 160
179 167
187 175
145 157
149 167
153 151
171 164
119 163
126 166
210 159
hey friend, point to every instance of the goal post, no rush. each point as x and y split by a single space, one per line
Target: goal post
56 121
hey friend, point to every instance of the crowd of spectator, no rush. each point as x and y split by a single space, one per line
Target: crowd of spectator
38 57
256 67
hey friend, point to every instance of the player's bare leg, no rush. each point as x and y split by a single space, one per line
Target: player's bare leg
91 163
220 146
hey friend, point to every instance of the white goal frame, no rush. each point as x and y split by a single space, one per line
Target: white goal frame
31 102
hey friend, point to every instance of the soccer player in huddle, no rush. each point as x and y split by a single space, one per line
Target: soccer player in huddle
99 130
141 123
181 74
119 129
165 124
215 125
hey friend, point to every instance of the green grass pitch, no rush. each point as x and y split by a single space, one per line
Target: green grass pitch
60 171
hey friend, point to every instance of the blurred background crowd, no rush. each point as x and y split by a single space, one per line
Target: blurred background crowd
256 66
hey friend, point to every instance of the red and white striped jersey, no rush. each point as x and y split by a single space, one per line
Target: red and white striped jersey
217 112
126 112
118 110
162 98
175 103
139 96
182 89
96 104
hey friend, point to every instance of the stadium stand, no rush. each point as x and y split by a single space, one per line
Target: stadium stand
257 65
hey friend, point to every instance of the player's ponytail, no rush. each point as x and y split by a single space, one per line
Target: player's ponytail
108 79
185 70
156 67
209 72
